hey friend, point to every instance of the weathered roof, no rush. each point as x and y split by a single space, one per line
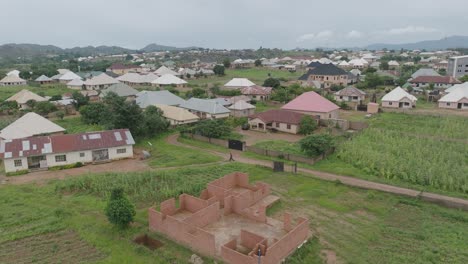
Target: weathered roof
31 124
120 89
435 79
239 82
167 79
102 79
40 145
75 82
424 72
326 69
25 95
12 79
177 113
68 76
120 66
241 105
310 102
165 70
13 72
350 91
280 116
397 94
205 105
456 94
256 90
221 100
147 98
43 78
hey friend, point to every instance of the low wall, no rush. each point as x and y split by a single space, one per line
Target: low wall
287 156
340 123
204 216
354 125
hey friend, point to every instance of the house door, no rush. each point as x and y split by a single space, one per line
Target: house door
100 155
459 106
400 105
36 161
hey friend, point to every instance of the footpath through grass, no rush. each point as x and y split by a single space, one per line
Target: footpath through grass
359 226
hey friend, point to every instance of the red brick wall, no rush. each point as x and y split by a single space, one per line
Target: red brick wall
249 240
204 216
168 207
191 204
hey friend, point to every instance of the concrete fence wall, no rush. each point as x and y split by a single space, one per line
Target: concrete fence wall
287 156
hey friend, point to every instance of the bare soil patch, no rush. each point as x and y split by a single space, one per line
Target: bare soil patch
148 242
59 247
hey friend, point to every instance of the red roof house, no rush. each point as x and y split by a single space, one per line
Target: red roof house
281 120
58 150
311 103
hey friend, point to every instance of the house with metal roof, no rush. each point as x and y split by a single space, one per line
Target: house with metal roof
326 74
424 72
119 68
76 84
177 116
165 70
121 90
169 80
67 77
42 152
311 103
23 96
100 82
30 124
399 98
237 83
12 80
43 79
277 119
350 94
206 108
457 98
257 92
241 109
147 98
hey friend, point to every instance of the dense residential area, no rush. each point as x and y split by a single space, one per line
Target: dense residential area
279 153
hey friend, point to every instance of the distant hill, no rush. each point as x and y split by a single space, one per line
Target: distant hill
441 44
13 51
156 47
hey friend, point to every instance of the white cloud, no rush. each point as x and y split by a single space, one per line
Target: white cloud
324 35
305 37
355 34
321 36
409 30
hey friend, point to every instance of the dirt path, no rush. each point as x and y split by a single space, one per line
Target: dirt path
350 181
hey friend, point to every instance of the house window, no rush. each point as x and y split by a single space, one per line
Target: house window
341 97
18 163
448 104
60 158
82 154
288 126
277 124
406 103
390 103
465 104
121 151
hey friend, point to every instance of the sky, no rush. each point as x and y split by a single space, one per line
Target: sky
230 24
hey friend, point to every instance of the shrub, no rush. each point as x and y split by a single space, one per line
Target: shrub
315 145
16 173
119 210
307 125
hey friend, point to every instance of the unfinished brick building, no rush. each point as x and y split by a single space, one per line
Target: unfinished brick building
228 221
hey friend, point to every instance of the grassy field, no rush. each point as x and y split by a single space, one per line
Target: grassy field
256 75
45 90
166 155
358 226
74 125
281 145
422 150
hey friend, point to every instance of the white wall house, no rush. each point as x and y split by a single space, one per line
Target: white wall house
44 152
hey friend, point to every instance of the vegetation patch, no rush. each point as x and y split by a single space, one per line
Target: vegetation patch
59 247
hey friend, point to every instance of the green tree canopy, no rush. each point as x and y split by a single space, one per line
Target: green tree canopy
307 125
227 63
315 145
219 70
119 210
272 82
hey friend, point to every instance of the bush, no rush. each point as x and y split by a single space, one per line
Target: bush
216 128
307 125
66 167
16 173
119 210
315 145
272 82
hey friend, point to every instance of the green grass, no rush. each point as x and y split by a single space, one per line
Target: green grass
256 75
360 226
262 107
166 155
421 150
202 145
281 145
75 125
46 90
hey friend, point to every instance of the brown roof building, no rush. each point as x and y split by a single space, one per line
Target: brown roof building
281 120
438 81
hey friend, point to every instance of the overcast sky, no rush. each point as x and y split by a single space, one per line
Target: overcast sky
230 23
